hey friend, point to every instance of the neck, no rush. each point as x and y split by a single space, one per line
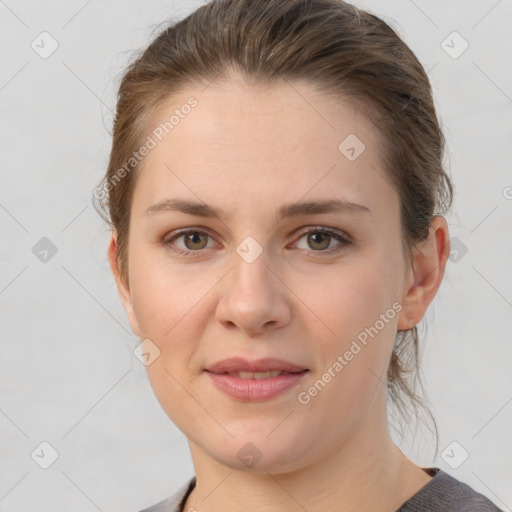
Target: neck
365 472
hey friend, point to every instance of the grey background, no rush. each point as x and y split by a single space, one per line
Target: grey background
67 373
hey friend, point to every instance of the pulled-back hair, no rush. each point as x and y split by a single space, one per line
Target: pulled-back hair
343 51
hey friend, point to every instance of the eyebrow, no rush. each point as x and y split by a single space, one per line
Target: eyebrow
200 209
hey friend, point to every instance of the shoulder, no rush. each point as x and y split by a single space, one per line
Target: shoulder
444 493
175 502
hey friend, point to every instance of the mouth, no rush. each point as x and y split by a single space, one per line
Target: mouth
255 381
258 369
259 375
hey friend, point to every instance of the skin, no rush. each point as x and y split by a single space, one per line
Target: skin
248 150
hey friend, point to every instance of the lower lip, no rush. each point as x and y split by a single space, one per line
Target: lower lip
255 389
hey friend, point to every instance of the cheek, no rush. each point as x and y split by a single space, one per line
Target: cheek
357 316
164 296
171 313
166 305
349 298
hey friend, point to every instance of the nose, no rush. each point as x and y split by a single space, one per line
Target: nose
254 297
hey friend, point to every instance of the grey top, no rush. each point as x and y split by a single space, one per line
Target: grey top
443 493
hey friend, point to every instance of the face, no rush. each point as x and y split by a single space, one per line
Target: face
297 256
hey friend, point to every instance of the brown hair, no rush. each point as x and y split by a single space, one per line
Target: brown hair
340 49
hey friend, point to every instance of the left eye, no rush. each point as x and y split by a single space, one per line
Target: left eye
320 239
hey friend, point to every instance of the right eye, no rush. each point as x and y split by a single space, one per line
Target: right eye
193 240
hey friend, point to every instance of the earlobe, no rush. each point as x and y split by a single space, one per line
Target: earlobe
122 285
426 273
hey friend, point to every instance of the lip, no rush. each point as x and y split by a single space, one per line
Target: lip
255 390
238 364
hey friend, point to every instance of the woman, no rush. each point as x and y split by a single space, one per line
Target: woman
276 191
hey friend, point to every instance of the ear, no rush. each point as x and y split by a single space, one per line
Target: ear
425 275
122 286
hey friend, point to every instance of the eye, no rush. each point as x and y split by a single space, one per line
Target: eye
193 240
320 239
317 239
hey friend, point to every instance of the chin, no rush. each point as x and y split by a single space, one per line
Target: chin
258 451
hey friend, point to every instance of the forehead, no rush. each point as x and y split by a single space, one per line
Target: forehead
231 110
261 143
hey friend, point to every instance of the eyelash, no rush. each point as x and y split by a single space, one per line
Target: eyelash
344 240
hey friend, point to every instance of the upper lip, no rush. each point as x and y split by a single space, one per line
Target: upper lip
235 364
